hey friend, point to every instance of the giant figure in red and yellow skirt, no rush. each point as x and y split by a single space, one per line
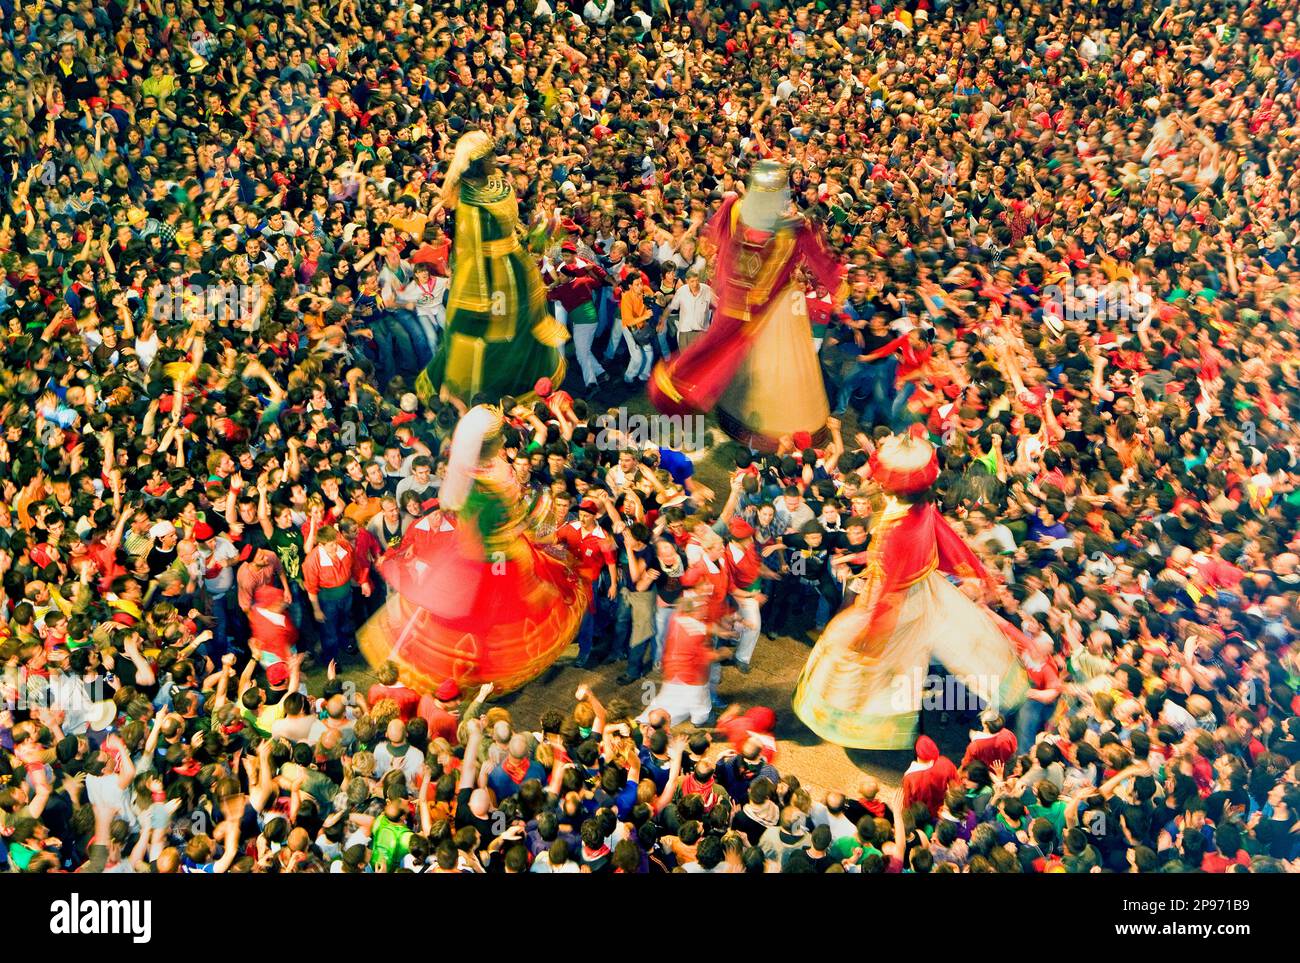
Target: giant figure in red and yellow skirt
862 686
756 366
473 596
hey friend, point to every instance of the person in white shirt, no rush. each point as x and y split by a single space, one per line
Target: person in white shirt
996 537
598 12
831 815
396 753
693 304
424 295
555 860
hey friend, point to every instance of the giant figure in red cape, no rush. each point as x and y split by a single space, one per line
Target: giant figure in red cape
862 686
756 365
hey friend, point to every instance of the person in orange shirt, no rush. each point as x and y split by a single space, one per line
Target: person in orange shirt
638 332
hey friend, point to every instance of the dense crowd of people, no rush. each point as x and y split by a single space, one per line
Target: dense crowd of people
224 263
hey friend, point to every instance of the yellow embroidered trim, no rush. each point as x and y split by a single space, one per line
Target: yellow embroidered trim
665 382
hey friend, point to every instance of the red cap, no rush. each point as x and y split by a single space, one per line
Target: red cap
277 674
203 531
569 247
802 440
447 690
739 528
588 505
543 387
428 505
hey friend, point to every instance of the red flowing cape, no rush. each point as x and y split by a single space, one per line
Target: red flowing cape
693 380
916 545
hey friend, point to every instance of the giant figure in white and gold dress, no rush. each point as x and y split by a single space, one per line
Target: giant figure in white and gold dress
756 366
862 686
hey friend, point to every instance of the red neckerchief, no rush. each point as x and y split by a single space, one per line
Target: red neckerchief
516 769
693 787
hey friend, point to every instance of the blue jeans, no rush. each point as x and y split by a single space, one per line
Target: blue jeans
394 352
875 381
586 633
663 615
219 607
409 323
622 624
640 358
1030 719
899 415
662 340
792 594
336 627
607 311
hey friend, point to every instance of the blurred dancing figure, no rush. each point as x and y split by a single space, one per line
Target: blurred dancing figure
756 364
473 598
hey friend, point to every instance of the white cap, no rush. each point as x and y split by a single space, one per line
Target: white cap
161 529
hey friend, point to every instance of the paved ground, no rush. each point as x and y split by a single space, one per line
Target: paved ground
775 669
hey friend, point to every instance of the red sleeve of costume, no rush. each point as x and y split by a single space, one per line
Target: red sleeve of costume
825 267
955 556
885 350
716 231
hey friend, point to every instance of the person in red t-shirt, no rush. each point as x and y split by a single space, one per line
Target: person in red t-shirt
744 569
390 686
1044 690
927 779
689 657
442 709
993 743
757 722
273 633
1227 840
593 549
708 574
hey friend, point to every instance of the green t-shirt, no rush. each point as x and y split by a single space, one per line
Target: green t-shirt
1054 814
843 848
388 844
21 856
